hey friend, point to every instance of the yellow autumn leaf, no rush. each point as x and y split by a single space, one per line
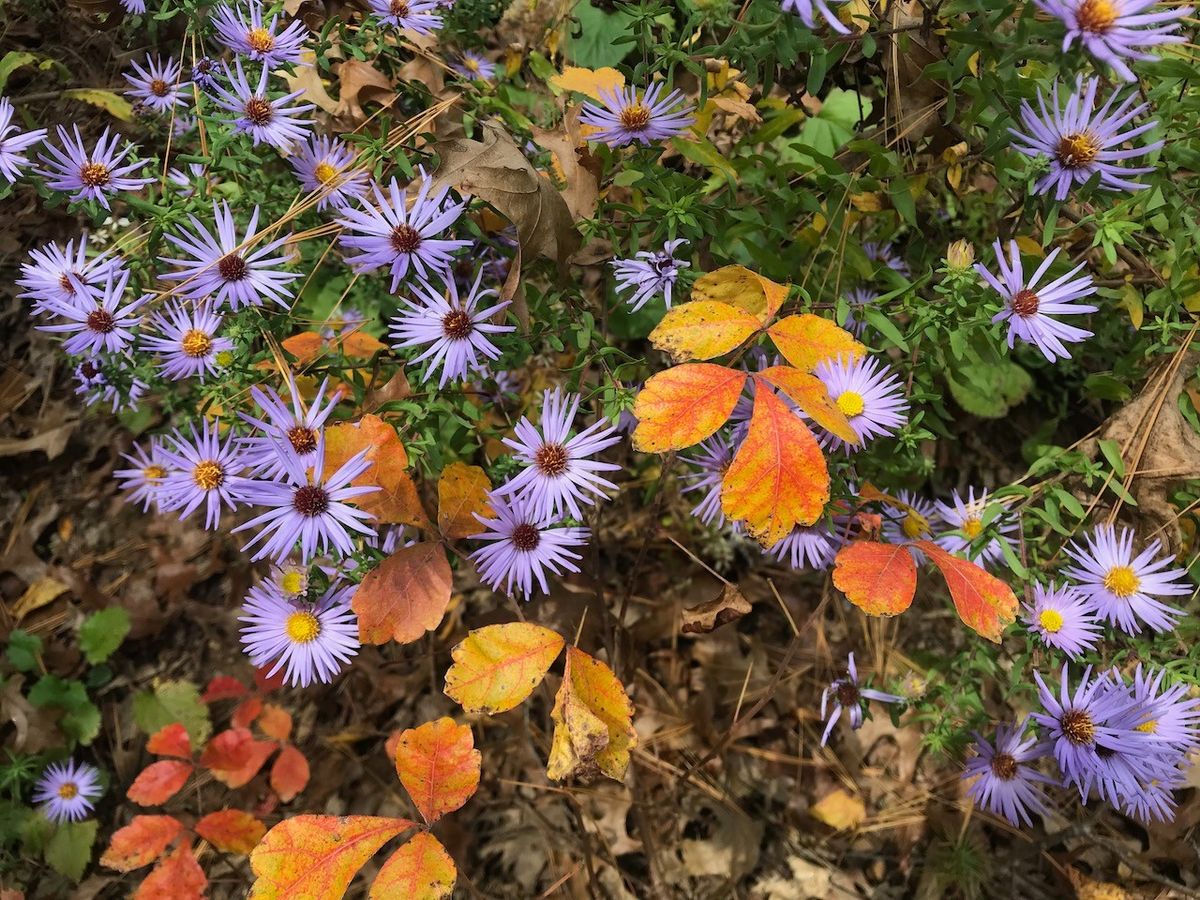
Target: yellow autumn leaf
839 810
738 286
807 340
1029 246
588 81
496 667
702 330
114 104
593 722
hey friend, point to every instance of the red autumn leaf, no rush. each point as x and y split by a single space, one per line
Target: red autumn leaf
396 501
231 830
177 877
289 775
684 405
247 711
140 842
778 478
984 602
438 766
268 683
223 687
170 740
276 722
159 782
234 756
404 596
880 579
420 870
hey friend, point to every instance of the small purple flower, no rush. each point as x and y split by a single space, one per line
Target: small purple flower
326 167
455 331
522 545
1081 141
109 378
807 9
885 254
869 395
99 319
1172 717
97 175
1030 310
148 469
559 473
807 546
184 182
134 7
849 697
649 273
915 520
298 427
624 118
401 236
474 66
967 516
188 341
419 16
204 72
157 84
246 34
858 298
256 114
203 471
13 141
50 276
1116 30
226 267
712 462
347 319
66 791
314 641
1064 619
1006 782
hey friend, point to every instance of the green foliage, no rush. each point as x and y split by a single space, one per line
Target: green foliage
102 633
173 701
69 849
81 718
24 650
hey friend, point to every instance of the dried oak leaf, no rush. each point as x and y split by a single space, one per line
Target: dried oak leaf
712 614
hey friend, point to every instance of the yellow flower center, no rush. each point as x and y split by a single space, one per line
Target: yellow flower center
1051 620
1122 581
1150 727
208 474
154 473
972 528
196 343
914 524
260 40
292 583
636 117
303 627
325 172
1077 150
850 403
224 358
1096 15
471 63
68 790
94 174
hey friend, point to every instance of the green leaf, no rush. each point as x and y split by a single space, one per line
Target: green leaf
173 701
12 61
703 152
989 390
596 44
1113 454
102 633
70 849
23 650
81 718
885 326
114 104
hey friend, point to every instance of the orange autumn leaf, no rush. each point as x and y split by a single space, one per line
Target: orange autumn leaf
231 830
438 766
306 346
984 602
684 405
289 774
462 492
702 330
593 722
177 877
247 711
275 722
778 478
420 870
404 596
234 756
880 579
316 857
170 740
738 286
806 340
396 501
810 394
159 782
360 345
496 667
140 842
223 687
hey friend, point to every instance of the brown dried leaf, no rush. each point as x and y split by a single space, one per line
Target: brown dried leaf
712 614
361 83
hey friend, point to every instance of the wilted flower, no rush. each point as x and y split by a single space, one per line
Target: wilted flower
850 698
419 16
109 377
326 167
624 118
66 791
156 85
187 340
869 395
309 641
522 545
1063 618
649 273
204 72
247 34
1006 783
265 120
1115 30
94 175
13 141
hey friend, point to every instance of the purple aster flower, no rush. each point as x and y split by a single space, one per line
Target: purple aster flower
265 120
346 319
203 471
148 469
184 182
474 66
915 520
885 254
100 319
134 7
455 331
1081 141
1063 618
299 427
109 378
559 473
712 462
182 125
326 167
415 15
522 545
401 236
1030 310
807 9
858 298
310 641
807 546
1115 30
52 273
13 141
1006 782
204 72
246 34
157 84
625 118
187 340
66 791
1173 717
968 517
226 267
97 175
870 396
849 697
1123 586
649 273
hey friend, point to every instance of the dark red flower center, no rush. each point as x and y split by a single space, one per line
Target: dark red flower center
398 8
1025 303
846 693
101 321
1078 726
1004 766
525 537
551 459
634 118
159 88
89 369
232 267
1075 151
64 282
303 439
259 111
405 239
457 325
310 500
94 174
